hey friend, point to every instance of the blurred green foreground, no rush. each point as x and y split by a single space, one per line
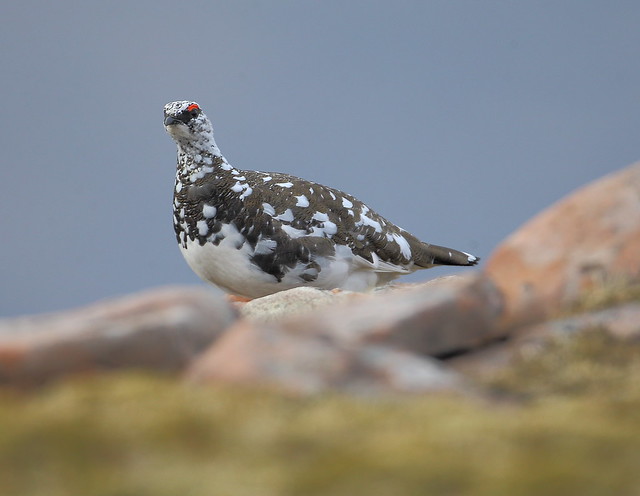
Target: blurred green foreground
564 422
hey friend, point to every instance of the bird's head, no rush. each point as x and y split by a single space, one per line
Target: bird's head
188 125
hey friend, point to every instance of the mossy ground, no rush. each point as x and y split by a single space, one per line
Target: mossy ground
574 428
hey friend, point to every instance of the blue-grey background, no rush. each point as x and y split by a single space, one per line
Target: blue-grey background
458 120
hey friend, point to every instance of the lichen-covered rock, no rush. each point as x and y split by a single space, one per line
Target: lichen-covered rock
161 329
371 344
621 321
252 353
590 238
292 302
434 319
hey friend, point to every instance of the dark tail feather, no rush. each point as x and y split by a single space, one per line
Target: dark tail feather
441 255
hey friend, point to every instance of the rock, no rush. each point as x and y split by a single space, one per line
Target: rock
364 345
379 369
298 301
435 319
292 302
590 238
161 329
484 361
621 321
251 353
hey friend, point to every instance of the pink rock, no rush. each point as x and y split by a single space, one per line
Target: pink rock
621 321
591 237
372 344
435 319
160 329
252 353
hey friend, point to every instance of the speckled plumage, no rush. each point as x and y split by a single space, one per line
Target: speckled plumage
255 233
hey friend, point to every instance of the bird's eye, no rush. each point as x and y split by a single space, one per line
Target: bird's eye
193 110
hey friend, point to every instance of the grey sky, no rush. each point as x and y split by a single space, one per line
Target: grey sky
458 120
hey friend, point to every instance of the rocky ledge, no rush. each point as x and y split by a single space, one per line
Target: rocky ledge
573 268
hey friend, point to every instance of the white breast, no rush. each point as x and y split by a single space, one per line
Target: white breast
227 266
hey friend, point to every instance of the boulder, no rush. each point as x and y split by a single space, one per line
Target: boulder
292 302
621 321
590 238
160 329
374 343
258 354
434 319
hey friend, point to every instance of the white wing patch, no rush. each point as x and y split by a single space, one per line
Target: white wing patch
203 228
379 265
320 217
268 209
286 216
209 211
367 221
265 246
405 249
293 232
247 191
302 201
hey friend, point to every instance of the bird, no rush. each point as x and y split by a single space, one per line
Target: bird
254 233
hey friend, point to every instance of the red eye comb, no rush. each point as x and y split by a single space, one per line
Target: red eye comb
193 106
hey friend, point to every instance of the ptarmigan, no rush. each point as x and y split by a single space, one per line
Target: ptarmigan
256 233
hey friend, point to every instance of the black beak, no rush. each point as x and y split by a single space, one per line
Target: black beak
170 121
